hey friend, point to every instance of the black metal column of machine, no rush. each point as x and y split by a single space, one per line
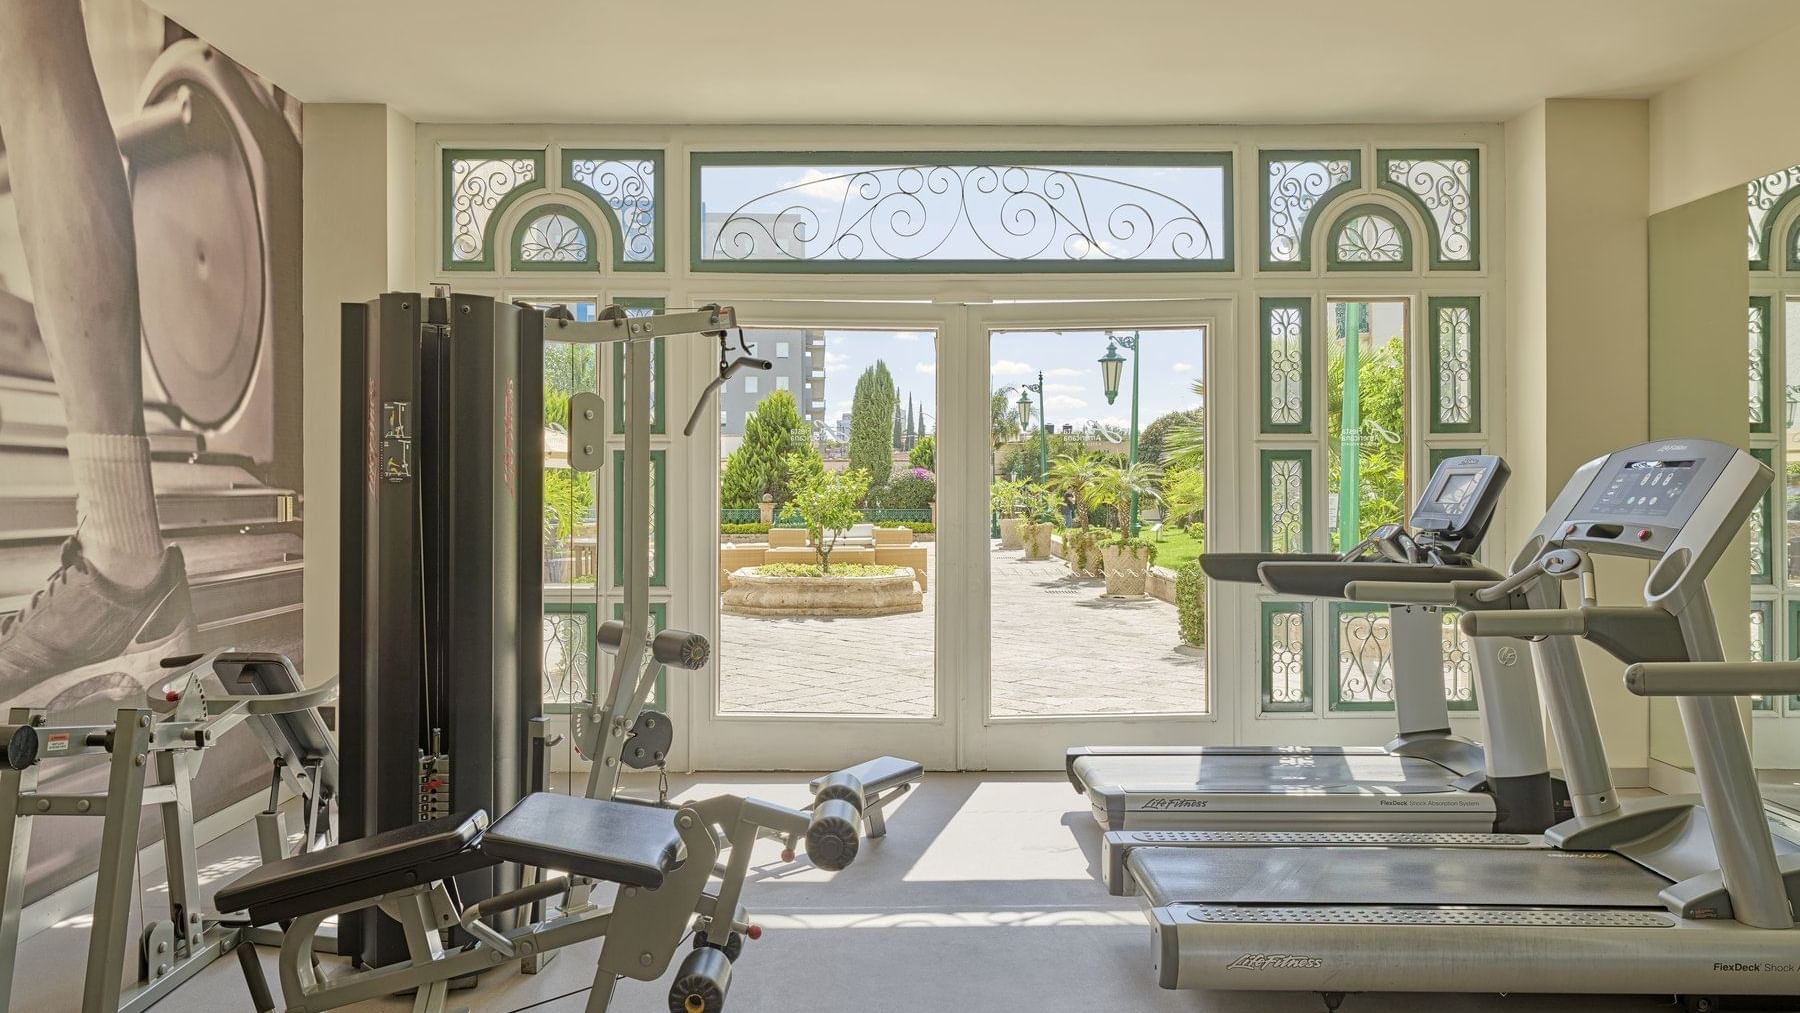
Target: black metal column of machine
442 550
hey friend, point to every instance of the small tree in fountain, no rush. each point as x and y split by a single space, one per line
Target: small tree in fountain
828 502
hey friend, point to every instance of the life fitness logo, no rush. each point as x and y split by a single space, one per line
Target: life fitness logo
506 439
1276 962
373 454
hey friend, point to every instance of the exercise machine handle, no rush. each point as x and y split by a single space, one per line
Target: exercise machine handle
677 648
1713 678
1400 592
1525 623
22 746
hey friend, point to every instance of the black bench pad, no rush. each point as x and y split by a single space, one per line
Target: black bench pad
880 774
354 870
614 841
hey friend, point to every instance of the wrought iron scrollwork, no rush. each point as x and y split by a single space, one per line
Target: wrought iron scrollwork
628 187
995 212
1762 197
567 640
1365 657
1295 187
554 238
1287 657
1455 365
1287 506
1445 186
1459 662
1287 351
477 186
1758 365
1370 239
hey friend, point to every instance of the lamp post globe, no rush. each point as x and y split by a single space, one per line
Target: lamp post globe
1111 365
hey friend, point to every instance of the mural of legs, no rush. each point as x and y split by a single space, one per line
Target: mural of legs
119 600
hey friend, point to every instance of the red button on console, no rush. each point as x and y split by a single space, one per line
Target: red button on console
1643 534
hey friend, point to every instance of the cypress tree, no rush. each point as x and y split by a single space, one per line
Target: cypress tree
872 410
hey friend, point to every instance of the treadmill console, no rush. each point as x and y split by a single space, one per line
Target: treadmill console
1644 496
1459 502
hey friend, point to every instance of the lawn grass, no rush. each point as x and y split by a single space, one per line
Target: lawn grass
1175 549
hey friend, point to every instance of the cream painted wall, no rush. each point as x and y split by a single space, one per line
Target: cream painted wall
358 242
1731 122
1698 361
1577 351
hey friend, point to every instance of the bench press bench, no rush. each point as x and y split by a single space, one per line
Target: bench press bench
662 860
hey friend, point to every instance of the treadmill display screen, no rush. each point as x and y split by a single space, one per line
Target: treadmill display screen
1454 492
1645 488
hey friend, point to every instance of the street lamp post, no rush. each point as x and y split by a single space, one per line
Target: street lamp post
1111 365
1025 392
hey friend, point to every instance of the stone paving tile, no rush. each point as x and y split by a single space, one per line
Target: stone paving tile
1059 648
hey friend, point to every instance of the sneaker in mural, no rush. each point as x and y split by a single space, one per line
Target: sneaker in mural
85 640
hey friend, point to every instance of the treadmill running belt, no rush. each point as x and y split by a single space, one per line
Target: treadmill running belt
1393 876
1262 772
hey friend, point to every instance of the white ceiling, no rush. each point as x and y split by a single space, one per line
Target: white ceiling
974 61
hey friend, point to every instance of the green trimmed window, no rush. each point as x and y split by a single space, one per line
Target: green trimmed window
571 673
1286 646
640 307
1369 237
1765 197
1758 327
959 211
659 621
1293 184
1455 363
479 185
1286 385
1287 500
627 185
659 512
554 237
1762 526
1761 623
1444 185
1362 677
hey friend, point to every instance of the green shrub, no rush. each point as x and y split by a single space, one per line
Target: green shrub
913 489
1081 547
916 527
750 528
1190 603
840 570
924 454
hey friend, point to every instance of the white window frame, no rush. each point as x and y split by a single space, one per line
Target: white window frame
960 301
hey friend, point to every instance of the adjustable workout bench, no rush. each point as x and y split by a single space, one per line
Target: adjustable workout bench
661 860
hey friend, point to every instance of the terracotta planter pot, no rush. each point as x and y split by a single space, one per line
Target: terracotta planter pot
1009 533
1127 571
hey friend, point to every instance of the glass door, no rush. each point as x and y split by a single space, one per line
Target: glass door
1104 423
819 513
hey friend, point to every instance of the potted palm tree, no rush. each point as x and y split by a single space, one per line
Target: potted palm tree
1003 495
1075 473
1037 523
1126 558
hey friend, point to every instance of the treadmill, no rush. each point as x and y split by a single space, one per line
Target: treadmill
1693 896
1427 780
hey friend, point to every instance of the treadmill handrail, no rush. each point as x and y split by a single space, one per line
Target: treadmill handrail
1242 567
1713 678
1334 579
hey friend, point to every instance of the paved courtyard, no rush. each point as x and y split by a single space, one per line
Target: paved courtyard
1058 648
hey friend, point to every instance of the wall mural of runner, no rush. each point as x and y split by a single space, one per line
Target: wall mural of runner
149 373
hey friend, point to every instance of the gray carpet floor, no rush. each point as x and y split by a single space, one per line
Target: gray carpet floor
982 897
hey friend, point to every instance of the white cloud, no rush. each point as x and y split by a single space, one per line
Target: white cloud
908 336
1064 388
1182 367
824 186
925 367
1062 371
1007 367
1063 403
835 360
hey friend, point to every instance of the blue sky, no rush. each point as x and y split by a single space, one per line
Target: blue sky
1173 360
